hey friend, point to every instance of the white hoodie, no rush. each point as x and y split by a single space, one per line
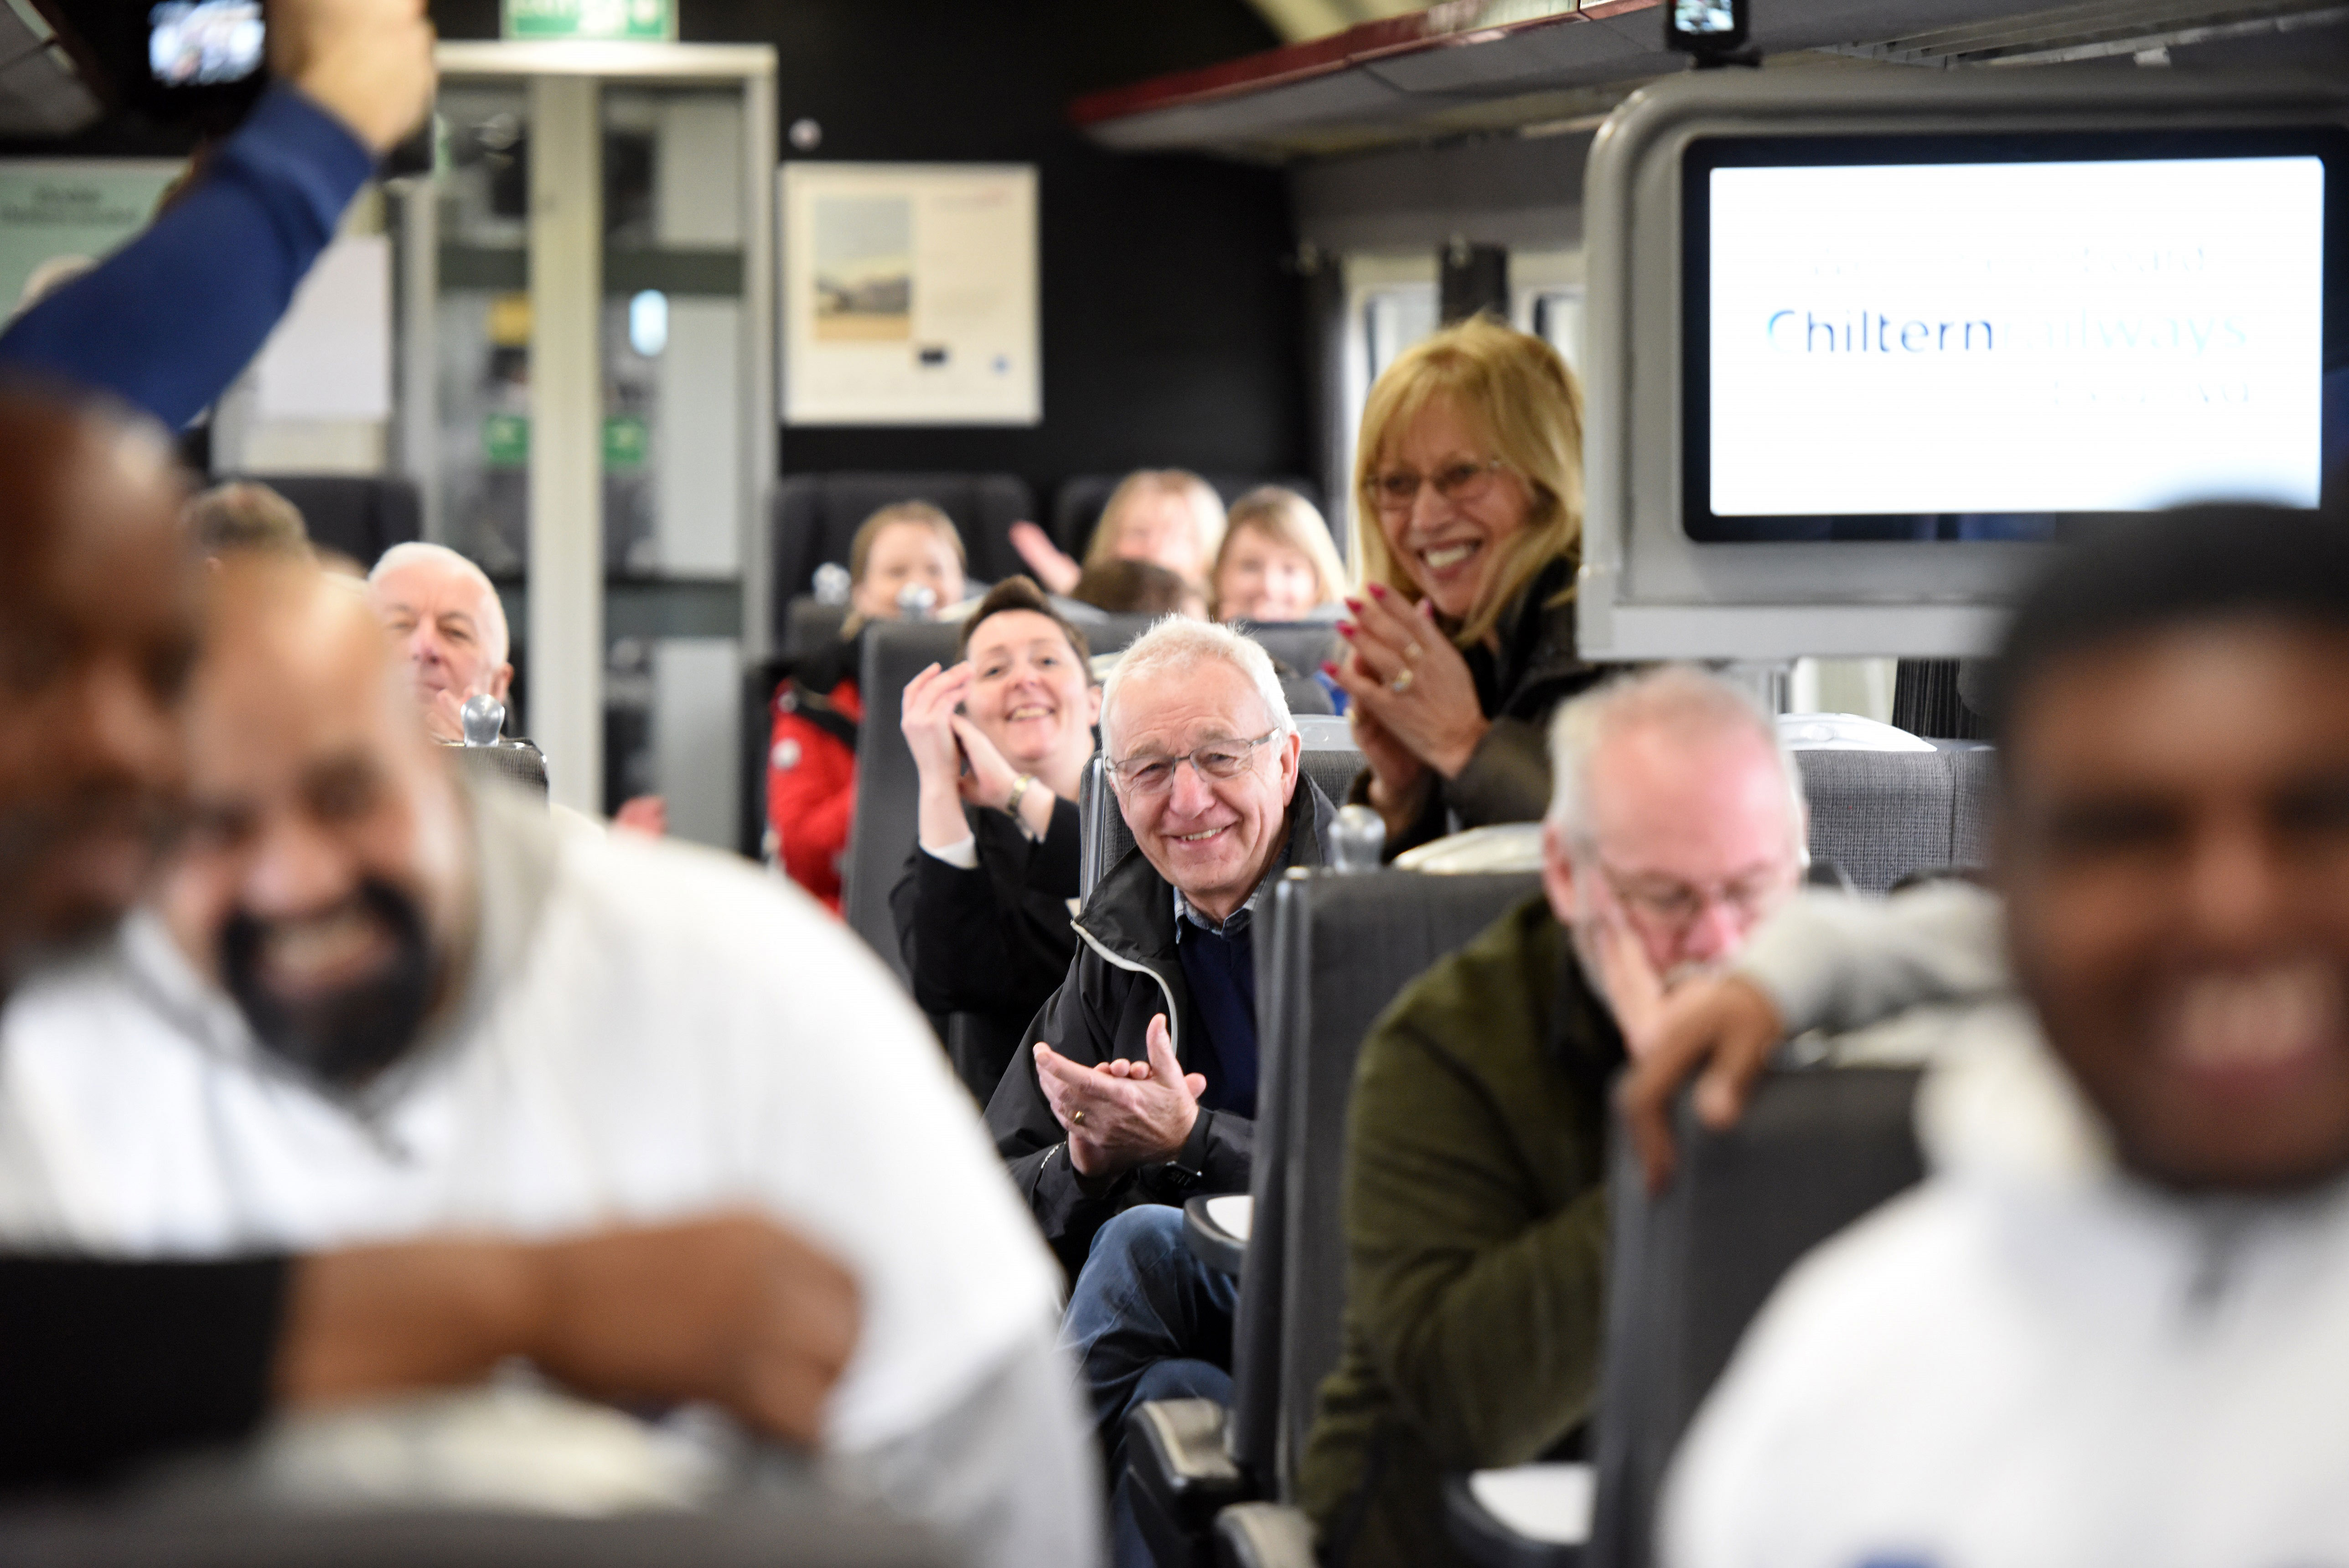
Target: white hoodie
2033 1359
647 1032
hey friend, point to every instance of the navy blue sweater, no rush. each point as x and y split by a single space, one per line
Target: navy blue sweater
176 315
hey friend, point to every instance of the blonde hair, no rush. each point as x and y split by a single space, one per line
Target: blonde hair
920 512
1206 509
1291 521
1519 395
244 514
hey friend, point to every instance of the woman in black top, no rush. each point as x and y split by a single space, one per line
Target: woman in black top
1001 740
1468 486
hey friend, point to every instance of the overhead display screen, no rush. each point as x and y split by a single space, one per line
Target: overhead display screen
1917 343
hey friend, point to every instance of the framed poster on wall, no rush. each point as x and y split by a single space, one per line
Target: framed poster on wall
909 294
60 215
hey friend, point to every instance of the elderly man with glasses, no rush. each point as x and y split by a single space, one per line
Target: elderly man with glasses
1475 1210
1137 1089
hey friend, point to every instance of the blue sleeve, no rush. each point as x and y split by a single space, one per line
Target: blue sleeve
176 315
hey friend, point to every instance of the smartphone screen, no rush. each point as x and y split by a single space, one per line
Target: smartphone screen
204 42
1704 18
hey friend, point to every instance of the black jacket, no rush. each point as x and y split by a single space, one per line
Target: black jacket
1519 688
993 943
1125 972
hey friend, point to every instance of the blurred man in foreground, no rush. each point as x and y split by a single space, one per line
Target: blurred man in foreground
1476 1212
378 1002
110 1361
2110 1323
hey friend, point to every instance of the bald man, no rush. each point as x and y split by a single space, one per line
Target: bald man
375 1000
110 1361
444 613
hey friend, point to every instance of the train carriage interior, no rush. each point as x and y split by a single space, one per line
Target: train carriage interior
1193 784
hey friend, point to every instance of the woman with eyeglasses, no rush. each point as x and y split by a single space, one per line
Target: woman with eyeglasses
1468 508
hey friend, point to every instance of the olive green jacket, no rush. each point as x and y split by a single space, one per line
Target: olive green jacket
1477 1230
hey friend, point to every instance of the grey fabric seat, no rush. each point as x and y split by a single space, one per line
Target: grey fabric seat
360 516
1688 1270
1336 950
1878 816
888 786
1330 758
809 625
516 762
812 518
1302 645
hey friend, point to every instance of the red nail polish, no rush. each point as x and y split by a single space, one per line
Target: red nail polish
1345 631
1378 591
1355 606
1329 669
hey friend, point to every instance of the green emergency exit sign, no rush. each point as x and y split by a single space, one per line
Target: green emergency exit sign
637 21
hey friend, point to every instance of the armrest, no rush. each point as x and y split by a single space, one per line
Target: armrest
1216 1229
1181 1475
1264 1535
1531 1516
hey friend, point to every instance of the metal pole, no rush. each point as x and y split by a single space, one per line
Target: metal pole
567 437
759 439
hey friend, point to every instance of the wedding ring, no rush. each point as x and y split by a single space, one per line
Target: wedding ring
1403 679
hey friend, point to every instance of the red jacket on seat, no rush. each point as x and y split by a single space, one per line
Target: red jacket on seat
811 771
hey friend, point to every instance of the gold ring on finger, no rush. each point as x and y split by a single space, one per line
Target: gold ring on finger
1403 679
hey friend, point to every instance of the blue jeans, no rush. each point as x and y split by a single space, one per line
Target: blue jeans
1146 1320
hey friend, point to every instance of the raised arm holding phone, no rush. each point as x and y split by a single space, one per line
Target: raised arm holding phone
174 317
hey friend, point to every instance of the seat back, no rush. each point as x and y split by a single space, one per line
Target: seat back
1688 1270
357 515
1106 632
888 787
812 518
1330 758
1880 815
810 623
1077 505
1335 952
515 762
1302 645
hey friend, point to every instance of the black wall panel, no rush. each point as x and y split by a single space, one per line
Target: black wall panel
1173 319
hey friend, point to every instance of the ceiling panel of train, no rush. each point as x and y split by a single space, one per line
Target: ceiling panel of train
1481 66
41 93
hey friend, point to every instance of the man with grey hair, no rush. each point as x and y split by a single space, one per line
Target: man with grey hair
444 613
1475 1210
1138 1086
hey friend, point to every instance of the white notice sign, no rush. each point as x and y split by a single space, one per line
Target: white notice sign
330 358
909 294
